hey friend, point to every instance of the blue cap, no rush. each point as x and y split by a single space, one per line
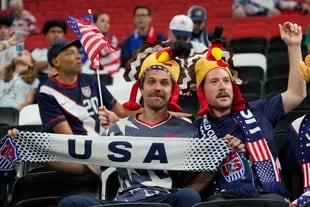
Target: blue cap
58 46
197 13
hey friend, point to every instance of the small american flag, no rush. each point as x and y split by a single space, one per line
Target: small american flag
301 200
8 155
260 152
306 173
92 40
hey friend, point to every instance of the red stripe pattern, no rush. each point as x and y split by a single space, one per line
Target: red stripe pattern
94 43
260 152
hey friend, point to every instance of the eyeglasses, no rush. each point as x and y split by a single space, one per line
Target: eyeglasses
141 15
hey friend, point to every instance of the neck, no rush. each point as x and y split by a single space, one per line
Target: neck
215 113
152 117
66 79
143 31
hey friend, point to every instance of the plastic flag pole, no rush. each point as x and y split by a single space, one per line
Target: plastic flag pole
97 70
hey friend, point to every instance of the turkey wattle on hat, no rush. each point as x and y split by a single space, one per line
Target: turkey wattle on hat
163 58
204 65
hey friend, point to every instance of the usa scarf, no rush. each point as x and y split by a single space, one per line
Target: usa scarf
235 172
302 128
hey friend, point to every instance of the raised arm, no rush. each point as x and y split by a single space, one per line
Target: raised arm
296 91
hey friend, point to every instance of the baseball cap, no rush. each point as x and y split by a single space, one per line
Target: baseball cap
197 13
181 25
60 45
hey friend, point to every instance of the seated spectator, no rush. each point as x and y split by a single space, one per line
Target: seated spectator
53 29
255 173
23 20
143 32
199 17
69 101
102 21
181 28
19 83
244 8
7 43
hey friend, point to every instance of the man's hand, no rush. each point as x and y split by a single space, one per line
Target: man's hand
235 143
13 132
291 33
107 117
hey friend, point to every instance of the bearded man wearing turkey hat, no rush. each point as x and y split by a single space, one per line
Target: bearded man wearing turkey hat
255 173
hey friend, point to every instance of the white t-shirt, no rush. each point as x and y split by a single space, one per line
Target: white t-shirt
15 91
40 54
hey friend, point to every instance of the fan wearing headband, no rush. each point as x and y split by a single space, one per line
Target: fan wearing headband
225 112
157 81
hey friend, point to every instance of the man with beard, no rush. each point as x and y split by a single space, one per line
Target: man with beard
255 173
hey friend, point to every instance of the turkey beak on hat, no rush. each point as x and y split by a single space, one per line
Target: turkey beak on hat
204 65
160 60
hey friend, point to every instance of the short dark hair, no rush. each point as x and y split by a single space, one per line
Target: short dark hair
142 7
54 23
6 20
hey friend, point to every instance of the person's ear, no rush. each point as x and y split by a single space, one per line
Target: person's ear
55 62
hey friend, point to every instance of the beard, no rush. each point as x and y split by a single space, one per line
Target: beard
156 104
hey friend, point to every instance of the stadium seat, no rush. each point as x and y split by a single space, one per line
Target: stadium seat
252 73
47 188
246 202
110 183
276 44
277 70
35 41
248 45
275 85
252 87
250 59
30 115
9 116
189 104
275 58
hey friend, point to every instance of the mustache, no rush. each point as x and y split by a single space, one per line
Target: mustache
157 94
222 94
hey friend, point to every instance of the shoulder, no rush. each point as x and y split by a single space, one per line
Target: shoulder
198 46
161 36
182 122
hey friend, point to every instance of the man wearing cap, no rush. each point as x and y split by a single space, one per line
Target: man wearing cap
181 28
199 18
69 101
255 173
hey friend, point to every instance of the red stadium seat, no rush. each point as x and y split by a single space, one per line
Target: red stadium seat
35 41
